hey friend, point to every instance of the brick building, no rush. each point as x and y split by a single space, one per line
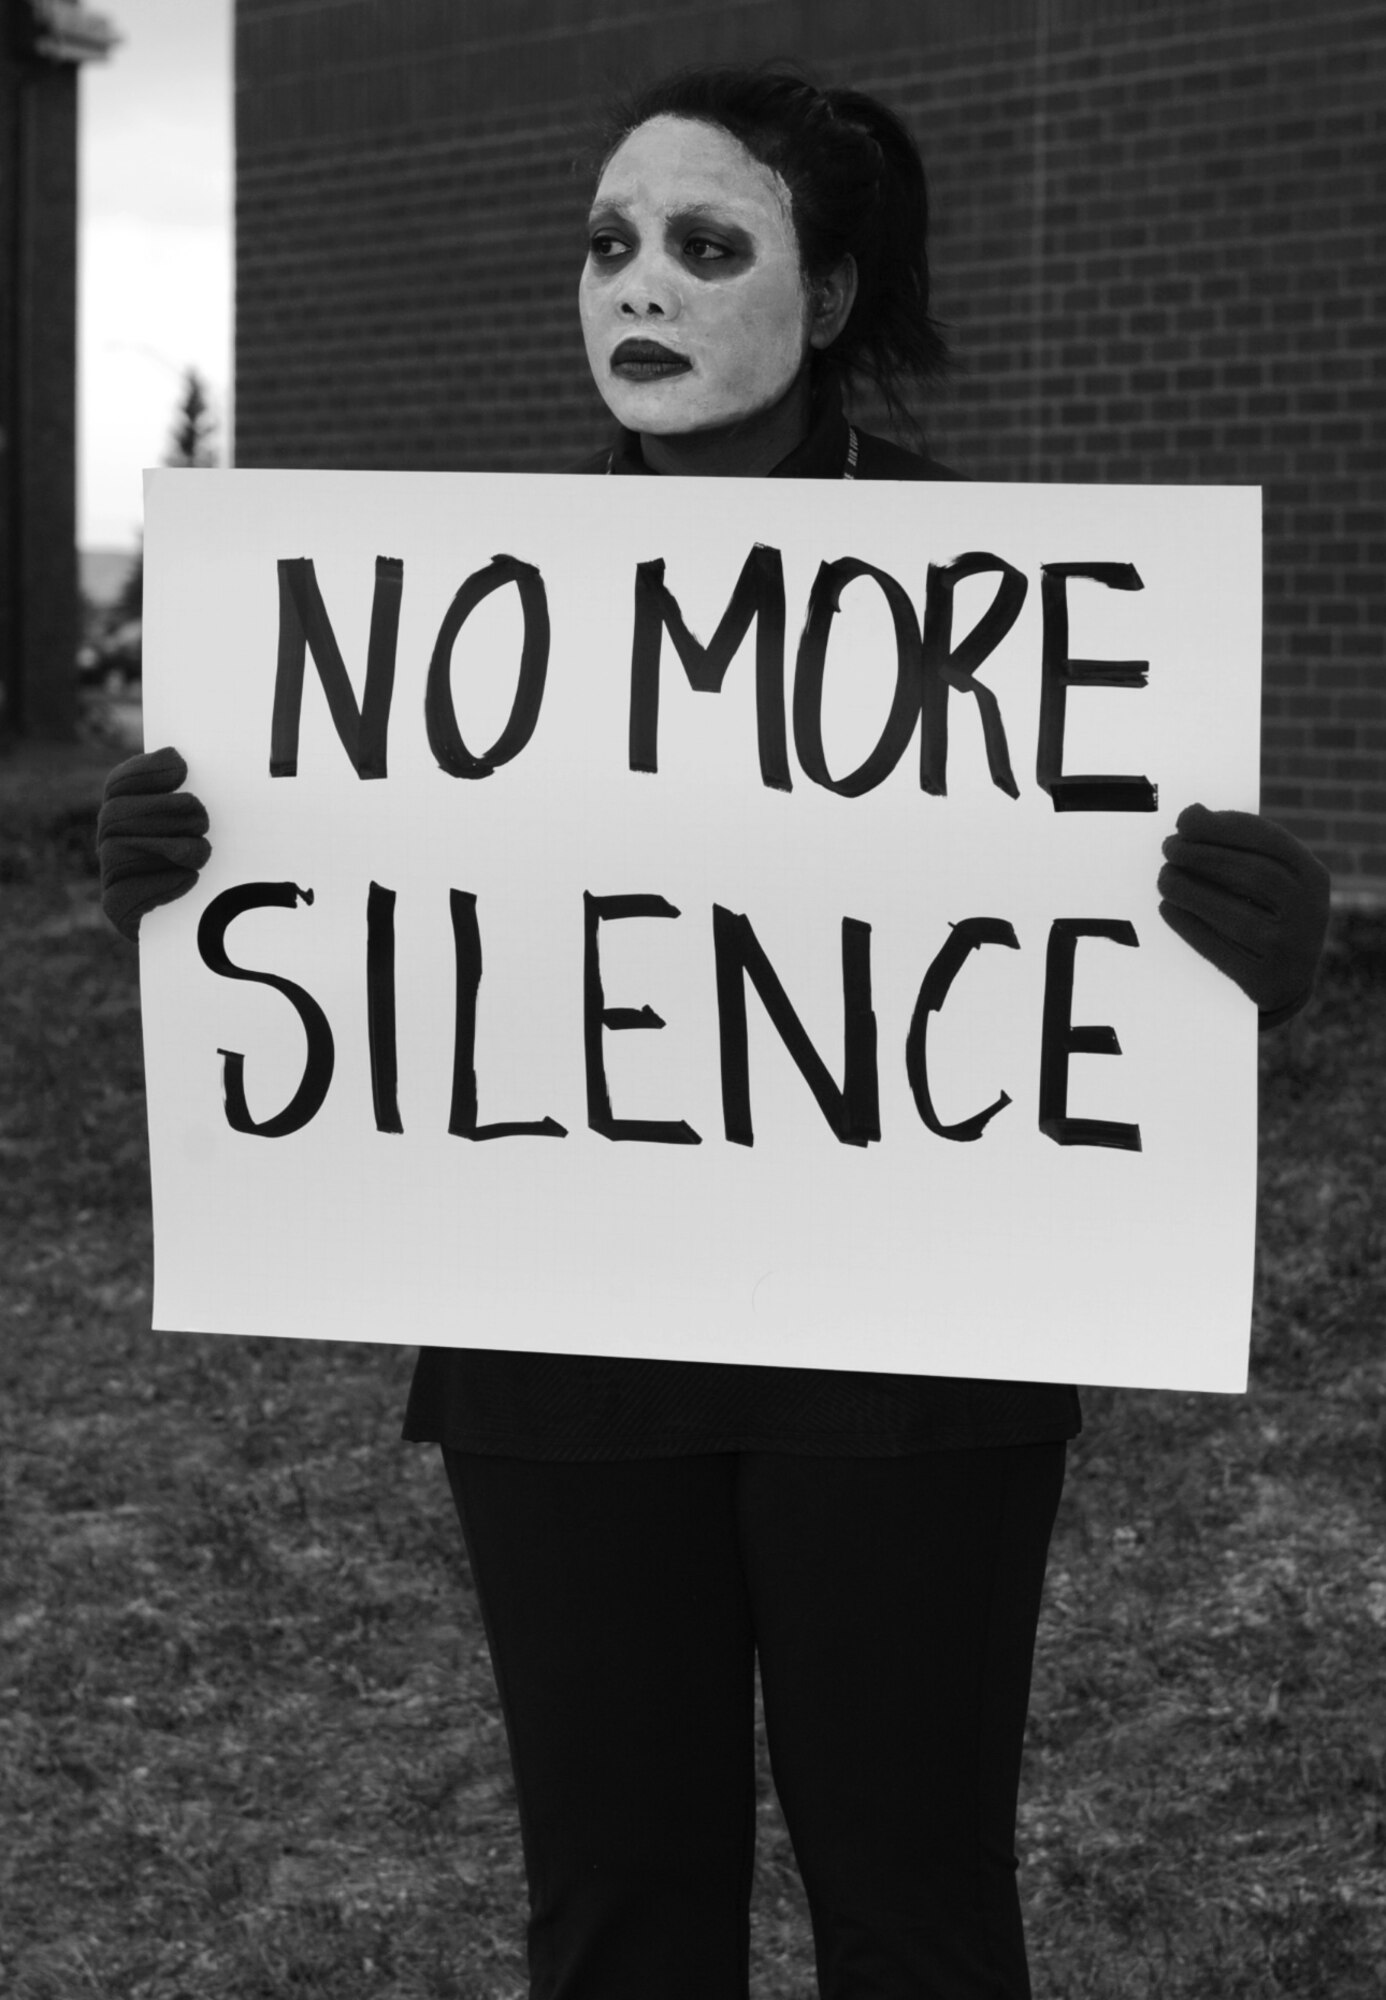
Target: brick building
1158 244
42 44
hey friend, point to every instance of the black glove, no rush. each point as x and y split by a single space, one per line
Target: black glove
149 837
1252 899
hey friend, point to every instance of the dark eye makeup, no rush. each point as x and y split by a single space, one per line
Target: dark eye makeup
709 253
707 250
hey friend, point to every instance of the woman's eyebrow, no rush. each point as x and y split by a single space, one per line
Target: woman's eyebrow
705 211
712 213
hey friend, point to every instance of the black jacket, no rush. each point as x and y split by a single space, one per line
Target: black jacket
824 453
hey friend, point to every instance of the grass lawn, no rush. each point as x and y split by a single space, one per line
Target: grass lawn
249 1739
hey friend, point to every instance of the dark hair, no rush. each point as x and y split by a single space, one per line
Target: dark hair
856 185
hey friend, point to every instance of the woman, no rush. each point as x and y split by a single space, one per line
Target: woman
640 1530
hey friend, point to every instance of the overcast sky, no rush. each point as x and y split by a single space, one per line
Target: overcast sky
155 284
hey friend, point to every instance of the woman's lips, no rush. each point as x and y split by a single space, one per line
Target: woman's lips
647 361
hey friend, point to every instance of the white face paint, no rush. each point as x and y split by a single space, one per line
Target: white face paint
692 254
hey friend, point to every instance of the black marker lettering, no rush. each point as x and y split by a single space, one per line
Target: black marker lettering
948 667
307 1100
963 938
597 1016
380 1007
853 1113
1060 1039
440 715
759 594
824 598
1060 673
466 939
303 622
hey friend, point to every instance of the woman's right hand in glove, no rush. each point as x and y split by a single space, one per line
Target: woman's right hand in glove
150 837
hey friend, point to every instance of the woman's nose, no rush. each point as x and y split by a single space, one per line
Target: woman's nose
648 294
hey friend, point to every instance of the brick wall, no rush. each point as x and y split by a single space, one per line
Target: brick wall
1158 243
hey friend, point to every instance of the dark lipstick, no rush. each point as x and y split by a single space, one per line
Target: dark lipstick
647 361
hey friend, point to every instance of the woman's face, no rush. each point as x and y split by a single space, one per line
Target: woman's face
694 307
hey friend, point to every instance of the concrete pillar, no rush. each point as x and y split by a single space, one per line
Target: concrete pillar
39 60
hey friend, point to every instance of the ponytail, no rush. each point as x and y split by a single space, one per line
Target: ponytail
890 332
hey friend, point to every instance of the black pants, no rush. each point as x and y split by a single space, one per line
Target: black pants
893 1604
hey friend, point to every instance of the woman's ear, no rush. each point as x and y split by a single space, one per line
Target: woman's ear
833 299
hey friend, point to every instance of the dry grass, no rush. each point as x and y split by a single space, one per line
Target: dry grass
249 1739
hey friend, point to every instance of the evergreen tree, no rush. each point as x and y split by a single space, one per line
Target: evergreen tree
191 442
194 426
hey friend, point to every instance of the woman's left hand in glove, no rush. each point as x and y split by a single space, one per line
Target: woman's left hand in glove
1252 899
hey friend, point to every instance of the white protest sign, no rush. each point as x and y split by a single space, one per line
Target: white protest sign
537 997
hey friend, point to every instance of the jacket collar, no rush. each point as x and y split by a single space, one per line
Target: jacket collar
822 454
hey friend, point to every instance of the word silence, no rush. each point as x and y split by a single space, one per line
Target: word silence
851 1109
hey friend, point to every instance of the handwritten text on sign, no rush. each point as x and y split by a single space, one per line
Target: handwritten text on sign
687 931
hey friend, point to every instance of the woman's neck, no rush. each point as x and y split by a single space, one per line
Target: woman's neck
745 450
